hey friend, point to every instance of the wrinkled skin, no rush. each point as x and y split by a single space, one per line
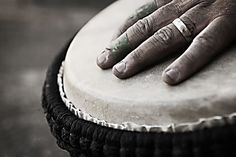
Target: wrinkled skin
149 35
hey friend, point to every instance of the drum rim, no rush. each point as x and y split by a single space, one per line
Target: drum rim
79 136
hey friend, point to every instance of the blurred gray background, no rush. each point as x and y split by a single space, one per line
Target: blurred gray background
31 33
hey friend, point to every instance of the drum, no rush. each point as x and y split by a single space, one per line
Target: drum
92 113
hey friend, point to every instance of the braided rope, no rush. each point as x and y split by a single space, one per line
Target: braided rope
83 138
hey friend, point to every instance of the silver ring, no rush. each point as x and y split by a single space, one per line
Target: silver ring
183 29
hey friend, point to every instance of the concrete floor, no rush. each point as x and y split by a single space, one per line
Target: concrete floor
31 33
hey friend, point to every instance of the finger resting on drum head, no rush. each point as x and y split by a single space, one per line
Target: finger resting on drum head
211 41
164 42
117 50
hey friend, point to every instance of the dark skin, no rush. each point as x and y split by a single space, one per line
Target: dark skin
148 36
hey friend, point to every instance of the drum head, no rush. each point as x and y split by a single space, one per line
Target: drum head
144 98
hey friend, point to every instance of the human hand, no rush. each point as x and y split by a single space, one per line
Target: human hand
205 27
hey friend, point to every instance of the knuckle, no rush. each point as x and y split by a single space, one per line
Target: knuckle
201 40
164 36
205 41
143 26
173 7
177 8
182 6
206 3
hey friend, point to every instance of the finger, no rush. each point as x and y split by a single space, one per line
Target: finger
142 30
161 44
140 13
164 42
210 42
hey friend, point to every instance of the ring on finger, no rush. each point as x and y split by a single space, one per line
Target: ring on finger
183 29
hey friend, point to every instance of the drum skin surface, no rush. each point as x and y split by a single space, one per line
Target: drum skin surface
144 98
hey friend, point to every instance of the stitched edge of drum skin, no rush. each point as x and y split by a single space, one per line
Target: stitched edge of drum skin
83 138
130 126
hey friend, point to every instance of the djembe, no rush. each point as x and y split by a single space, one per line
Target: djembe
92 113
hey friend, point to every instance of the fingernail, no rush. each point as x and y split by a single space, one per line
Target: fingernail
171 76
101 58
120 67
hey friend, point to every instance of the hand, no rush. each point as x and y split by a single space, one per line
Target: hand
149 36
